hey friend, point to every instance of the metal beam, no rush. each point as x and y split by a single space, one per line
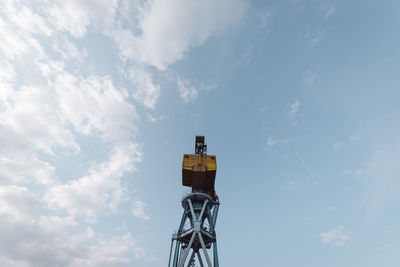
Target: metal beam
198 207
191 259
176 255
187 232
183 220
187 249
202 209
191 209
204 250
170 253
210 221
216 261
200 260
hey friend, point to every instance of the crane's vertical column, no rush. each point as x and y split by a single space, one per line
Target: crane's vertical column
196 240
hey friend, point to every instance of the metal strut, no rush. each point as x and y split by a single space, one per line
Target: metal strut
215 213
198 208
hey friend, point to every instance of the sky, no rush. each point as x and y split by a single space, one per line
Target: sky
298 99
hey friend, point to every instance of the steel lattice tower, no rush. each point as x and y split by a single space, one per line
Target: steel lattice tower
196 238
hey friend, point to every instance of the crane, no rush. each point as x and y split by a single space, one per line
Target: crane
196 232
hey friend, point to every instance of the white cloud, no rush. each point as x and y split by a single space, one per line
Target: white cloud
335 236
170 28
188 93
376 166
146 92
101 189
293 111
245 58
51 99
294 108
28 21
337 146
354 138
294 186
7 75
69 51
27 123
48 105
138 210
209 86
18 202
116 251
75 16
315 39
271 141
10 44
70 17
23 169
93 105
125 41
153 119
57 241
379 175
329 9
357 173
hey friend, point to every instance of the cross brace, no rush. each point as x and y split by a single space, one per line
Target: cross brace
197 235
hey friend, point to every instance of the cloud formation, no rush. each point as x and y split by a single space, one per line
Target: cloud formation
99 190
138 210
335 237
271 141
186 91
53 99
146 93
46 240
47 104
293 112
166 36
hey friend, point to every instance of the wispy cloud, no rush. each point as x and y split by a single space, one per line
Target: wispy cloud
99 190
294 185
138 210
357 173
329 9
354 138
54 240
337 146
53 100
167 32
305 164
316 38
153 119
293 111
335 237
187 92
271 141
146 91
294 108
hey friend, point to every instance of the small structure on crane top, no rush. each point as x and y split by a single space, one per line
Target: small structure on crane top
199 169
200 210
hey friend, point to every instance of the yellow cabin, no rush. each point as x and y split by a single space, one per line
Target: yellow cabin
199 169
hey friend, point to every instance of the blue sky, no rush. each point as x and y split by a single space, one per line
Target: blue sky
298 99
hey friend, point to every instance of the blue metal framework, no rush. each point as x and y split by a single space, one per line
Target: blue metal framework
196 232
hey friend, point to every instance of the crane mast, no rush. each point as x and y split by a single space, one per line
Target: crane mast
195 240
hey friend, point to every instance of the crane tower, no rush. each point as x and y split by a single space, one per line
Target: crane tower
196 240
